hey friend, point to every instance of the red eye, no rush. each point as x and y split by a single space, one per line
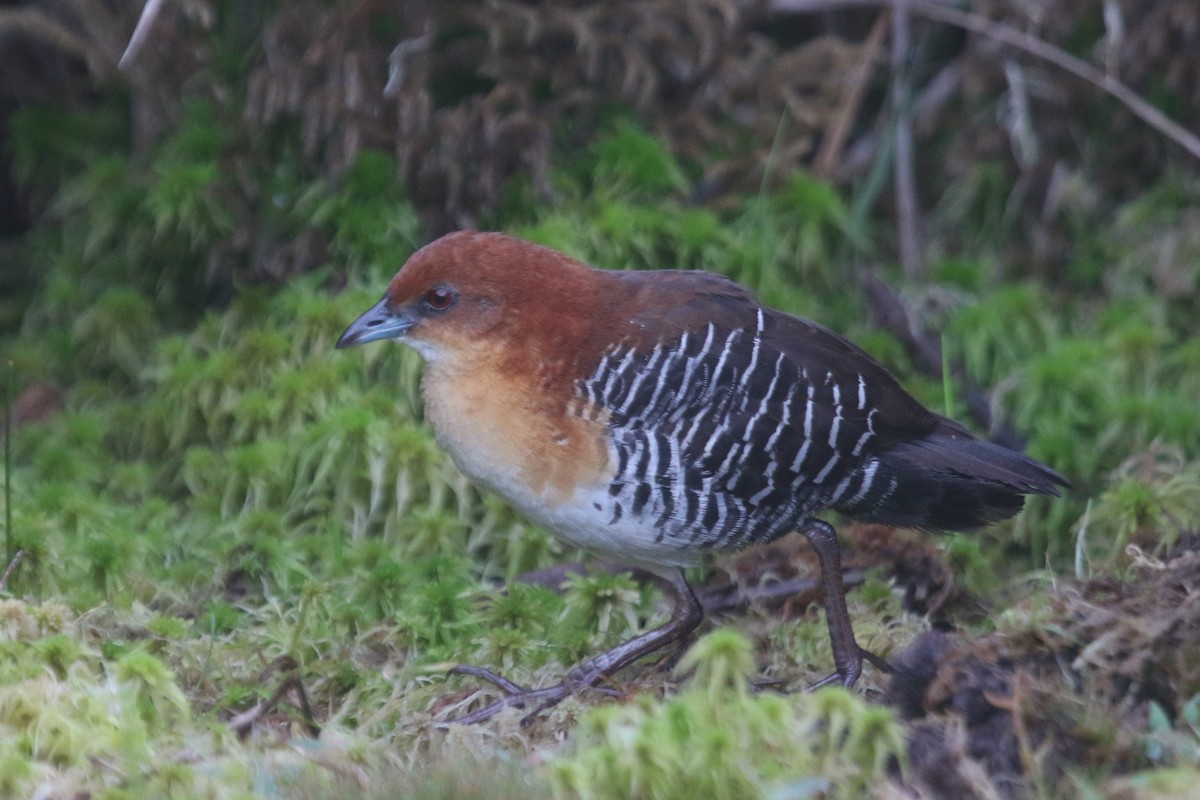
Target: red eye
439 298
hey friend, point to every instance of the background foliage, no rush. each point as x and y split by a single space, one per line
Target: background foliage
211 500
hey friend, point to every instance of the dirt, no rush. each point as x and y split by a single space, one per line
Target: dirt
1064 684
1068 686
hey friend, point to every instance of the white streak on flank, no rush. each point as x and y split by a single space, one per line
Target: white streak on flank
696 422
841 489
758 331
825 471
652 465
862 440
691 367
808 412
640 379
862 393
673 470
787 417
808 420
774 378
665 369
758 498
762 409
722 508
626 360
712 440
606 366
837 417
762 403
689 372
680 405
749 373
701 499
868 479
727 464
724 356
799 460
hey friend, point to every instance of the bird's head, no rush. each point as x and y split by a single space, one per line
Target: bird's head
469 291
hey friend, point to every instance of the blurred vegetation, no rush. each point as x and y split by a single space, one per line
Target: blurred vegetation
202 486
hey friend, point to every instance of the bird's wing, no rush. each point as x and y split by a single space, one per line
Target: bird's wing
748 419
674 303
780 417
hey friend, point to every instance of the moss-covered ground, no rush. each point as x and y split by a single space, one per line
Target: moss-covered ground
235 537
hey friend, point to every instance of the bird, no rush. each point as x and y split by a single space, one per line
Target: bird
654 417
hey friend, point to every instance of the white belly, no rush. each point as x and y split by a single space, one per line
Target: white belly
586 521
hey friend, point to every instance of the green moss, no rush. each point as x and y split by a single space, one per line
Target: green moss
603 607
1153 500
224 489
716 739
16 771
627 161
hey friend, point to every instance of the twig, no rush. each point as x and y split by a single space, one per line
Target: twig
242 723
730 597
12 565
555 577
399 56
835 137
938 91
726 597
1030 44
10 398
141 32
907 213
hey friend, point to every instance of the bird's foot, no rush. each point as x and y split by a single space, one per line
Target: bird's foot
847 673
588 676
517 696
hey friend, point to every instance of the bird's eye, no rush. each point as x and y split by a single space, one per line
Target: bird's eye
439 298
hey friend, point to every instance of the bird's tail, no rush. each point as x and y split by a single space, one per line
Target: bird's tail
951 481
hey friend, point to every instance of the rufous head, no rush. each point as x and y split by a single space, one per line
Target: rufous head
470 289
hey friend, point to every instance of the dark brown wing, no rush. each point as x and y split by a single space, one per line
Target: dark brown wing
779 417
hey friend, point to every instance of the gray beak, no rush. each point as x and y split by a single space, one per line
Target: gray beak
380 322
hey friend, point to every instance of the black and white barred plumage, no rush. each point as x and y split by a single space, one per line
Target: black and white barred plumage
734 431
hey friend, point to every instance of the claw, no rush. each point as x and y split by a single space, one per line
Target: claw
499 681
516 696
847 673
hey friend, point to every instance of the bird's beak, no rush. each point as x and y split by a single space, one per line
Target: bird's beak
380 322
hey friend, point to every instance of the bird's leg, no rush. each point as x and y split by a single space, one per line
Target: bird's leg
686 614
847 655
